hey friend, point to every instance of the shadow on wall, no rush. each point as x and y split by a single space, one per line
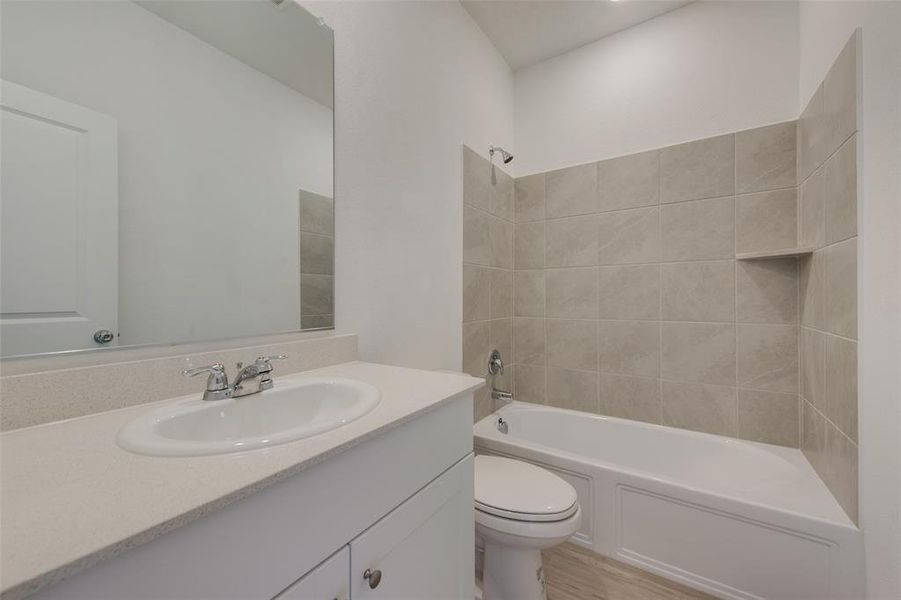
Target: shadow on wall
487 270
827 169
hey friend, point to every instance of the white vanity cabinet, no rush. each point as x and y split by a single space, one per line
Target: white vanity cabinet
328 581
419 551
399 503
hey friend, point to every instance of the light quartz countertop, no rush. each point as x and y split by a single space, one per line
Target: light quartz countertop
72 498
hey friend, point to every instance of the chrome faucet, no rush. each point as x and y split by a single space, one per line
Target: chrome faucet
502 395
216 384
261 370
502 425
495 368
217 387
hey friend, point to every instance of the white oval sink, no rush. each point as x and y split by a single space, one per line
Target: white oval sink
292 410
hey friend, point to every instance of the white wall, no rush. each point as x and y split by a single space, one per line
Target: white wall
824 29
414 81
704 69
211 156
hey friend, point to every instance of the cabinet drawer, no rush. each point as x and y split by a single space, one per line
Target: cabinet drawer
329 581
423 548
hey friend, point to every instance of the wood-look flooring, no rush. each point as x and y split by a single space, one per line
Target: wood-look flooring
573 573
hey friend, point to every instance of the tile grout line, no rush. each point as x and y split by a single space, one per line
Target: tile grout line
598 400
646 264
642 206
824 365
735 282
687 382
546 397
798 238
660 410
829 422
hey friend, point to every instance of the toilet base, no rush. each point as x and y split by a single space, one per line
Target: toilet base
512 573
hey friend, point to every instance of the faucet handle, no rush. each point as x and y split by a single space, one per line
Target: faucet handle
495 363
266 359
214 368
264 363
216 382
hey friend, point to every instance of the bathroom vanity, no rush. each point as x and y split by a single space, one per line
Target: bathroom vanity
378 508
212 114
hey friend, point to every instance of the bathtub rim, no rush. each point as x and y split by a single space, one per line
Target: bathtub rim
484 430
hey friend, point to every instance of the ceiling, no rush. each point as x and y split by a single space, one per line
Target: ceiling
530 31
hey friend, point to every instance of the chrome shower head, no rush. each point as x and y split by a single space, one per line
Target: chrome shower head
504 154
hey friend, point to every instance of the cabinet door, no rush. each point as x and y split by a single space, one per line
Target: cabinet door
423 549
329 581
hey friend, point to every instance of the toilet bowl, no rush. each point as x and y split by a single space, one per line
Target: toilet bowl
520 509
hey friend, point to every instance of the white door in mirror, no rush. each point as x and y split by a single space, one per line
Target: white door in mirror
292 410
60 227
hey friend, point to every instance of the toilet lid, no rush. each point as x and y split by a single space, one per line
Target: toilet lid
517 490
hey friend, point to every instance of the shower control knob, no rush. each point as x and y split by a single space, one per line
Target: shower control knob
104 336
373 577
495 363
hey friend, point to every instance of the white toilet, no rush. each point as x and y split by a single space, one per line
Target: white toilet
519 510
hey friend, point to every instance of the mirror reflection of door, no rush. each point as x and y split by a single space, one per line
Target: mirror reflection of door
59 220
152 156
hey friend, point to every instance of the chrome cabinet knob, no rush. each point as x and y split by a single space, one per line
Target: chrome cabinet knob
104 336
373 577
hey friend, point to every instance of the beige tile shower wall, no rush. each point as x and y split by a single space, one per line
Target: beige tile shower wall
317 261
827 169
487 270
628 300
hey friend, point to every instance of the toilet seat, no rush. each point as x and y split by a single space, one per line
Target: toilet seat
527 533
526 517
518 491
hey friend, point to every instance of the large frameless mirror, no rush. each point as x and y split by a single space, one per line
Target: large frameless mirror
167 172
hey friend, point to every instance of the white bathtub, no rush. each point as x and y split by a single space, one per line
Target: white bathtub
735 519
